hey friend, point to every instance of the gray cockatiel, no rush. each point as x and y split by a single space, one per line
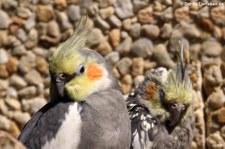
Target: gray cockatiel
161 109
87 109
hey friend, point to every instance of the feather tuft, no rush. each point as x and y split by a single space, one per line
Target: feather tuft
180 72
178 83
69 50
78 40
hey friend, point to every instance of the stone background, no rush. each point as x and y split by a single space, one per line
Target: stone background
133 35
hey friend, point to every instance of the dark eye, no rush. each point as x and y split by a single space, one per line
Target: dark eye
81 69
174 105
62 76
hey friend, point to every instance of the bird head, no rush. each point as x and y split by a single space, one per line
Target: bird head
76 71
169 93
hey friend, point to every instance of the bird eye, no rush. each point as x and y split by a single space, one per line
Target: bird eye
174 105
81 69
62 77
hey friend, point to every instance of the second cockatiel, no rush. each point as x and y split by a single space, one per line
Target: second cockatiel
161 109
87 109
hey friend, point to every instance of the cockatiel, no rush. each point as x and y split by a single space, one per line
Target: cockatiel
87 109
161 111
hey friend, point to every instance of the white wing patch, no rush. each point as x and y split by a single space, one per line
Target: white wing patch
68 135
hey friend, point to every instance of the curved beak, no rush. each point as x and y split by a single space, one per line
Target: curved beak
176 114
60 85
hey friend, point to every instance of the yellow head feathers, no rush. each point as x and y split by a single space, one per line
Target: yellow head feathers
69 51
178 86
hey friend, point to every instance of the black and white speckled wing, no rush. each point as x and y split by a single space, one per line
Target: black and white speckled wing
147 131
143 125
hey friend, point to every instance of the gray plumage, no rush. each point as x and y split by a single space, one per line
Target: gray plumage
86 109
161 109
148 132
104 119
44 124
103 125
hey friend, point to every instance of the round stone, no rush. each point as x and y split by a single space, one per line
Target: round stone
124 9
3 56
5 20
73 12
124 65
142 47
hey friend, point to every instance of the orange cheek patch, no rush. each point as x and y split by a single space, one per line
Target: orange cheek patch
94 72
150 91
